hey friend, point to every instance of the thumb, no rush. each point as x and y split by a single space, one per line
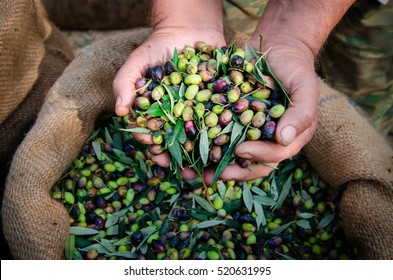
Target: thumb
124 83
301 113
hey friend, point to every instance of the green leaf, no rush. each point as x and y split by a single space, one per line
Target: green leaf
218 59
260 219
112 230
117 141
326 221
97 246
284 192
82 231
204 204
144 86
209 223
281 228
232 223
146 232
70 247
247 197
155 110
264 200
204 145
173 199
250 52
97 148
233 205
121 156
303 224
168 90
93 135
179 127
273 189
221 189
176 153
228 156
137 130
77 255
175 57
236 131
169 116
126 255
228 128
182 90
258 191
108 245
306 215
108 137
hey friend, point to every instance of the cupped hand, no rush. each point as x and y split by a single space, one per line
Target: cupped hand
156 50
293 64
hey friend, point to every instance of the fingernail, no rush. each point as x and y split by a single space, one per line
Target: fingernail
288 134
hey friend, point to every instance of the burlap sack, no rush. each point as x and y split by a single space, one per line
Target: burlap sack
33 55
349 153
36 226
98 14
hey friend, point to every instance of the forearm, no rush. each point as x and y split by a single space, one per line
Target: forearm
198 14
308 21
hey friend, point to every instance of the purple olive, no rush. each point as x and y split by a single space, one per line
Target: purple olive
269 130
156 73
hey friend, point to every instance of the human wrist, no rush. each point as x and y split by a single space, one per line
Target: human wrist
306 23
187 14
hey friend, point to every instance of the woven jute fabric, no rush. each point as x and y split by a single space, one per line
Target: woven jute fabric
36 226
34 53
98 14
22 23
349 153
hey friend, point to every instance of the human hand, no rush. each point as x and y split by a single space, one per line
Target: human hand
157 49
293 64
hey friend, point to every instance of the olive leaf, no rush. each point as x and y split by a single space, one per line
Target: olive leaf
155 110
204 203
75 230
176 153
280 229
209 223
204 145
303 224
221 189
97 148
264 200
108 137
284 192
70 247
326 221
247 197
137 130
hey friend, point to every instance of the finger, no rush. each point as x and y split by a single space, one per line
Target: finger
162 159
269 151
303 111
143 138
124 83
237 173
